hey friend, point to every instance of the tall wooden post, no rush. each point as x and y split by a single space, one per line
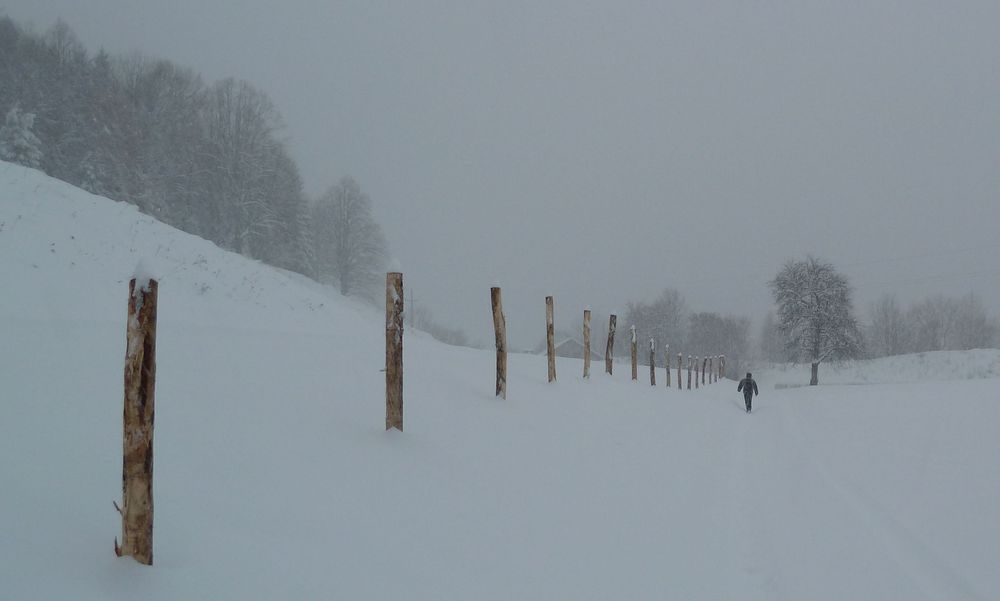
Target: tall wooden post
586 343
137 440
680 363
711 370
500 332
610 351
550 335
696 372
652 362
394 351
722 366
635 356
704 362
689 372
666 361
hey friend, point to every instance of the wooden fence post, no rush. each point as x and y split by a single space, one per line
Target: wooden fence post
500 331
137 440
652 362
609 353
680 364
689 372
550 334
711 369
722 366
586 343
635 357
704 363
666 361
696 372
394 351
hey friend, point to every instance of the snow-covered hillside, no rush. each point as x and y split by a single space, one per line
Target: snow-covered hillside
274 478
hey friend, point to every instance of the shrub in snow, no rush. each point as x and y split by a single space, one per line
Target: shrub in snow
17 142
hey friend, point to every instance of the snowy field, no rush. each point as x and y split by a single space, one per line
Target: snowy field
918 367
274 478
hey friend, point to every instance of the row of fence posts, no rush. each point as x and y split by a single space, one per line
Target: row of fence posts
140 378
712 368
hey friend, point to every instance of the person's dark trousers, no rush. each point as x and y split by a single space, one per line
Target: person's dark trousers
748 398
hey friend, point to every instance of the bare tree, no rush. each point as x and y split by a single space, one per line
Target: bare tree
940 323
815 313
888 333
240 123
664 319
714 334
350 247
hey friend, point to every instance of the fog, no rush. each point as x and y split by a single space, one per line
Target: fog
602 152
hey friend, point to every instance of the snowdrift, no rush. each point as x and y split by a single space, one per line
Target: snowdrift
274 478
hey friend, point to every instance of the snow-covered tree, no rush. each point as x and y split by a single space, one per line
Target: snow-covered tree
18 144
349 246
815 313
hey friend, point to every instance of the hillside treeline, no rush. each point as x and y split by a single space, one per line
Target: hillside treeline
205 158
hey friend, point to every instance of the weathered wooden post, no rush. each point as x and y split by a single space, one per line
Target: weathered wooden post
500 331
137 427
680 364
722 366
394 351
550 335
586 343
711 370
609 353
696 372
652 362
666 361
689 372
704 362
635 356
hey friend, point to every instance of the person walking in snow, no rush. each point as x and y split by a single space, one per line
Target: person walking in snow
749 388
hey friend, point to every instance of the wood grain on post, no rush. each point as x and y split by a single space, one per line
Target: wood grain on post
689 372
666 361
500 331
550 335
586 343
137 448
635 355
610 351
394 351
652 362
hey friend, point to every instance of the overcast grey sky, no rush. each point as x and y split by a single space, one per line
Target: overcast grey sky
600 152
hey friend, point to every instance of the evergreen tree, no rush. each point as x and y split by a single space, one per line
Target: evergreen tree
18 144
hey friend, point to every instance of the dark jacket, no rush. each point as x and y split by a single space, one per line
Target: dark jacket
748 386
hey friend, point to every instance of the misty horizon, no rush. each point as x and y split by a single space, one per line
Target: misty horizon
603 154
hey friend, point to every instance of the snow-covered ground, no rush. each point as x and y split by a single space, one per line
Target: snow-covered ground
918 367
274 478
